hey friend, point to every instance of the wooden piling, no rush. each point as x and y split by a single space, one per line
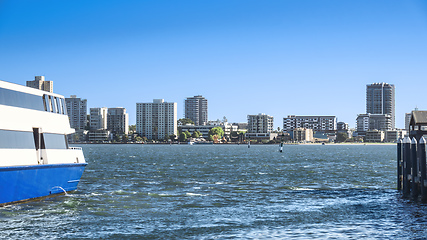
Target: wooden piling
414 170
399 164
422 159
406 166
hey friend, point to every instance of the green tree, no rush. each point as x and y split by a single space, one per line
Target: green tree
341 137
195 134
138 139
132 128
187 134
125 138
166 137
182 137
184 121
116 138
215 133
172 137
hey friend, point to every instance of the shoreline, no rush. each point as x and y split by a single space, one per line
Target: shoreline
326 144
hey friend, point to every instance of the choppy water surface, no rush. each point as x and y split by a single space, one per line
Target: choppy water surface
226 192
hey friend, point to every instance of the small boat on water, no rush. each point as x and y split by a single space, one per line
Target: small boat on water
35 159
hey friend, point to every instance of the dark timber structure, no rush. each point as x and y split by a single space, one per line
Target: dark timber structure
418 124
411 158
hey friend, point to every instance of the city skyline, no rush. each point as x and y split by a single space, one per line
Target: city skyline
246 57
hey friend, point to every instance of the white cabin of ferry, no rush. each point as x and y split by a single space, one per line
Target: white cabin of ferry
33 128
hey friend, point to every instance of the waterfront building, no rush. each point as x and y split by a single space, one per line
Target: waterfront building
118 120
196 109
204 129
100 135
342 126
77 112
261 136
394 135
40 83
366 122
157 119
98 118
375 136
240 126
380 99
261 123
316 123
303 134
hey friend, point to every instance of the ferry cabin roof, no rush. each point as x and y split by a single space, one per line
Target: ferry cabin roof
23 108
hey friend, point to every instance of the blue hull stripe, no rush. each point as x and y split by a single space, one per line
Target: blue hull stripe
26 182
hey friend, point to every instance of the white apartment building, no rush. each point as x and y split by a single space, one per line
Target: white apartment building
316 123
98 118
261 123
77 112
118 120
157 119
40 83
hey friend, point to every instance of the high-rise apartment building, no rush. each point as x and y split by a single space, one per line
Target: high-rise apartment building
157 119
317 123
118 120
77 112
196 109
41 84
261 123
380 99
98 118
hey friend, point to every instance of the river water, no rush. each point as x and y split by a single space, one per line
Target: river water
226 192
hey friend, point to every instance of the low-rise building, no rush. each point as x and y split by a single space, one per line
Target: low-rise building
394 135
261 136
204 129
303 135
366 122
375 136
100 135
316 123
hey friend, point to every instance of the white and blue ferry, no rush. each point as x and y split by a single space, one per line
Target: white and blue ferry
35 159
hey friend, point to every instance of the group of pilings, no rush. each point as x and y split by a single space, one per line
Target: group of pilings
411 168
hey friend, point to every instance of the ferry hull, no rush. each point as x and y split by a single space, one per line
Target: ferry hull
21 183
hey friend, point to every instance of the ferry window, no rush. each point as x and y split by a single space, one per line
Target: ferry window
54 105
64 109
44 102
54 141
19 99
50 104
58 103
16 139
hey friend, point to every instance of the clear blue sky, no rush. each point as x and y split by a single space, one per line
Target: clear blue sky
303 57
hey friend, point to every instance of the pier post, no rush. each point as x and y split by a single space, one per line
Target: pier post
406 166
422 157
399 164
414 170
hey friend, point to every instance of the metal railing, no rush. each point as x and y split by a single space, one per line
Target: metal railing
75 148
